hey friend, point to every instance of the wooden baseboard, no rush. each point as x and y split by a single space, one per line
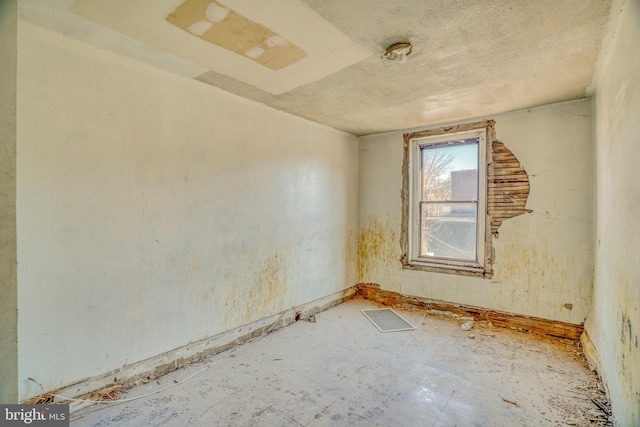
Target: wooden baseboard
537 325
162 364
590 352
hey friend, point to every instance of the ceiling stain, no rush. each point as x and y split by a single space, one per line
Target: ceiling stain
470 59
214 23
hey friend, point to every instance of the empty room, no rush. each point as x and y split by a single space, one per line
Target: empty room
320 212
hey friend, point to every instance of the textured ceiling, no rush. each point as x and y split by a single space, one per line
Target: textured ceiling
471 58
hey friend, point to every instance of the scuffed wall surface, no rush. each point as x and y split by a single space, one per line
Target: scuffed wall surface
8 280
614 322
543 260
156 211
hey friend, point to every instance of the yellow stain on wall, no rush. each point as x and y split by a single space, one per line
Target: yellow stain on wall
377 244
351 247
269 284
259 291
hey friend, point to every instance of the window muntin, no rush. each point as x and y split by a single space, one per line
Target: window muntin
447 200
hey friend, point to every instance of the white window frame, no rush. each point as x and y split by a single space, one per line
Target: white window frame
411 258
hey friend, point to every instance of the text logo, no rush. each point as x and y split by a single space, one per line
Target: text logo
34 415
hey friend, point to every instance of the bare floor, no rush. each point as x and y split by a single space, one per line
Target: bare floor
340 370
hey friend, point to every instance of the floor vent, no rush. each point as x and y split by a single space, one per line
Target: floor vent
387 320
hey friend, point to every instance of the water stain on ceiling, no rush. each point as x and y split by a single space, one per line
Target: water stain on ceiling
272 46
223 27
321 59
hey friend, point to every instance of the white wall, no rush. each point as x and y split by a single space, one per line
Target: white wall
8 248
614 322
543 260
154 211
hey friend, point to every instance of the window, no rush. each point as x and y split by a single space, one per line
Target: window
445 200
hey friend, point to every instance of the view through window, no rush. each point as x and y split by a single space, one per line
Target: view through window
449 200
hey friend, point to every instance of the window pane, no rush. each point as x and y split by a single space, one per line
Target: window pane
448 230
450 173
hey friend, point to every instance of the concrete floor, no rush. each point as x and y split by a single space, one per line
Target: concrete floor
341 370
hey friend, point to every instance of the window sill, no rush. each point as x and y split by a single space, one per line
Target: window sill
447 269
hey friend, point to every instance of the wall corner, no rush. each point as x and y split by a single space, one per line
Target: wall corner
8 237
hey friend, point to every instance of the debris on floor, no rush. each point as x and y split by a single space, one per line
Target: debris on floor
468 325
109 393
44 398
344 372
604 408
510 401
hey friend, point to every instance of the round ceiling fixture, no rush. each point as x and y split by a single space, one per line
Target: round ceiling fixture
398 52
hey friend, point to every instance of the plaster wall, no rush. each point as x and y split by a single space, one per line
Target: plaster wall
155 211
543 260
613 324
8 254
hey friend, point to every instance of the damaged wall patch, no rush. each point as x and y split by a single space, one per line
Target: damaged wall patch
508 187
